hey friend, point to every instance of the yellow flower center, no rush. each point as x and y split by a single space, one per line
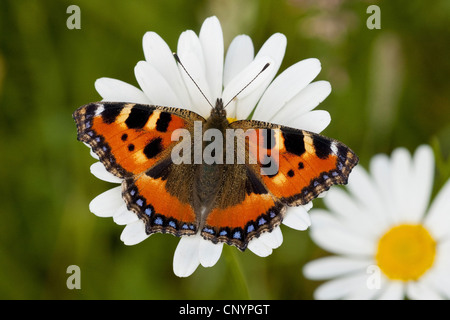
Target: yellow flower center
406 252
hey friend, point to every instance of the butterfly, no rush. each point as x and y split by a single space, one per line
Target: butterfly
220 197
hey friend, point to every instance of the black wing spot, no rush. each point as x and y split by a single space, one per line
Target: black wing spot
294 142
163 122
138 118
110 113
153 148
322 147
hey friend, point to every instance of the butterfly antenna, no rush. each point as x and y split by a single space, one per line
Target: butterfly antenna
179 61
264 68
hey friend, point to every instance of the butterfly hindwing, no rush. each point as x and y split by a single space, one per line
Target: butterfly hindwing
134 142
243 208
162 198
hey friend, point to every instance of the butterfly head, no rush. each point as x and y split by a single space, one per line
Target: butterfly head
219 109
218 113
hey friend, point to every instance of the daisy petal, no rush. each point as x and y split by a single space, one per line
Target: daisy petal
401 183
239 107
159 55
421 291
440 281
352 213
444 252
258 247
380 168
124 216
340 202
366 195
303 102
341 287
394 290
134 233
323 194
297 218
438 217
334 236
274 48
92 153
362 292
106 203
362 189
116 90
423 174
240 54
186 258
308 206
288 84
190 53
272 239
209 253
211 38
334 266
155 86
100 172
315 121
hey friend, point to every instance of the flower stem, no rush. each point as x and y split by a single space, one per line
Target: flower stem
237 273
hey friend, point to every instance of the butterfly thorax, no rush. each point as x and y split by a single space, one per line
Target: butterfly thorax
218 117
208 180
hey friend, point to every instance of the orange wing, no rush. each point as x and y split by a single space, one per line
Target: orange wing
243 208
134 142
305 163
308 164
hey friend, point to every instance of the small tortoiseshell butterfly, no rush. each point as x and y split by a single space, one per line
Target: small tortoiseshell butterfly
225 202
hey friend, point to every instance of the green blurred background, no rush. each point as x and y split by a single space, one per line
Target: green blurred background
390 89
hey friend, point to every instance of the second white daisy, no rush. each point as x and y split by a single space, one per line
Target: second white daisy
389 242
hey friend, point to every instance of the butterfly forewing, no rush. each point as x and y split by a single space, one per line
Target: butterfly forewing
134 142
306 163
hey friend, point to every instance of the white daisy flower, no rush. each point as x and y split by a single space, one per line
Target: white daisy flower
288 100
389 242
